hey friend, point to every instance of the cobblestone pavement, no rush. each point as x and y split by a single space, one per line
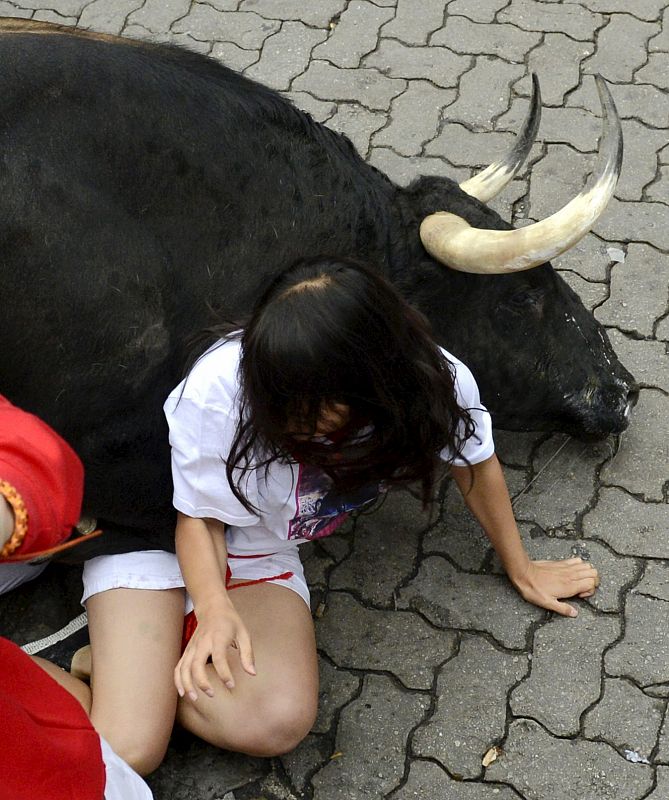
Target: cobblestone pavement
428 657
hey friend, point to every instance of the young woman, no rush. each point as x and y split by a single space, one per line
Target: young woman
333 392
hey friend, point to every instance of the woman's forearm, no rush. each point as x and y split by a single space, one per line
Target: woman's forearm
200 546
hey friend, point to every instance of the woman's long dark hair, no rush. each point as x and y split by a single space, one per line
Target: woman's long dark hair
331 330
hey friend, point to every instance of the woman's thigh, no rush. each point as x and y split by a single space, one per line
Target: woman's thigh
135 645
271 712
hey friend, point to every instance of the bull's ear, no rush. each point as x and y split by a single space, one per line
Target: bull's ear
453 242
490 182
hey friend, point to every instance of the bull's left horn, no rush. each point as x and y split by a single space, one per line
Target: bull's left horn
490 182
453 242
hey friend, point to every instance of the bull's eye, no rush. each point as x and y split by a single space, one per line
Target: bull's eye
525 298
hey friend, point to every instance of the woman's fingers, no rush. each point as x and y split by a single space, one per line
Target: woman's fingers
246 652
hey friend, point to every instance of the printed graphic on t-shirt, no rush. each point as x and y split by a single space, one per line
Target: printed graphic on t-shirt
321 508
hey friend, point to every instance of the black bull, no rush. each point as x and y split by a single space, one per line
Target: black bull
143 187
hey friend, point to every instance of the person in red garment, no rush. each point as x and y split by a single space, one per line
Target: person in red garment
50 748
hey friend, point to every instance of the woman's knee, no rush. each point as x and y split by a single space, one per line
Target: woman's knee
142 754
279 728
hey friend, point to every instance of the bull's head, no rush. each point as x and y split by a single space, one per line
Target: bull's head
548 333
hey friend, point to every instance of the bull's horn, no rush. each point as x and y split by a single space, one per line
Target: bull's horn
453 242
490 182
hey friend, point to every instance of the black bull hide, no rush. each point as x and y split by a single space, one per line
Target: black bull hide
144 188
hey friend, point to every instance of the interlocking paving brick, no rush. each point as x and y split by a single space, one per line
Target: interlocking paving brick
646 360
661 41
222 5
640 101
621 48
640 162
300 763
483 92
655 581
565 675
465 148
662 755
640 222
436 64
337 688
476 10
471 706
157 15
318 13
384 551
589 258
662 331
285 55
556 179
643 652
355 35
453 599
644 9
320 110
659 191
371 737
428 780
557 62
68 8
358 123
365 86
640 465
394 641
245 29
656 71
404 169
41 16
10 10
628 525
515 447
413 28
625 717
662 789
570 18
234 57
103 17
566 484
414 118
464 36
541 767
592 294
182 39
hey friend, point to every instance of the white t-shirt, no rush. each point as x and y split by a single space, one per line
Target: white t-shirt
297 502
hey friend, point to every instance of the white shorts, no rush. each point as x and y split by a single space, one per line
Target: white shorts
157 569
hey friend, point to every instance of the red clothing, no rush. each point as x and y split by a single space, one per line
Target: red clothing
49 748
42 479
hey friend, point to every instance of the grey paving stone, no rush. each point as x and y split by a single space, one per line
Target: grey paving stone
320 110
640 222
234 57
647 360
452 599
662 331
285 55
371 737
539 767
358 123
662 754
10 10
299 765
621 47
589 258
157 15
318 13
643 652
644 9
466 148
181 39
506 204
659 191
413 28
384 551
656 71
633 101
565 674
68 8
316 562
104 17
515 447
592 294
655 581
662 789
436 64
556 179
464 36
414 118
484 92
640 162
245 29
557 61
661 41
625 717
42 16
570 18
471 707
355 35
337 688
640 465
565 487
476 10
428 780
628 525
365 86
223 5
399 642
404 169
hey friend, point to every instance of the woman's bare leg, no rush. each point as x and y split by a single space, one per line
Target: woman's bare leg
135 645
271 712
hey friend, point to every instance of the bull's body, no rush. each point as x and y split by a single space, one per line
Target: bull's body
144 185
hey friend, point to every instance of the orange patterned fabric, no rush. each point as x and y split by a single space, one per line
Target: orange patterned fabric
20 518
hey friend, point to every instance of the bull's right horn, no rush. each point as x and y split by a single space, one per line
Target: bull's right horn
490 182
453 242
